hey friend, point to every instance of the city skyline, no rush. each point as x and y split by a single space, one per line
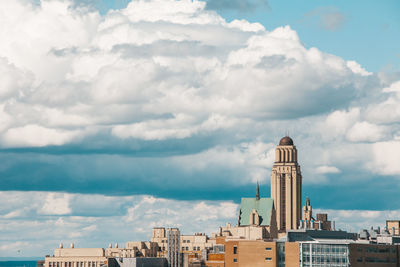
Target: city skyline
129 115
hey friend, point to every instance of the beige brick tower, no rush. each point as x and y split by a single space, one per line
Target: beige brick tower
286 186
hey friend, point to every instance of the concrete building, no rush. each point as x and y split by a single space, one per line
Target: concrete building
309 222
257 218
250 253
137 262
188 243
286 186
393 226
77 257
173 250
96 257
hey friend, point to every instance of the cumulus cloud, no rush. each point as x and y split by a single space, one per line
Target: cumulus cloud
161 96
125 219
327 169
386 155
155 70
355 220
56 205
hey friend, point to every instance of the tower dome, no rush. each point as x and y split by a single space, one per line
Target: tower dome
286 141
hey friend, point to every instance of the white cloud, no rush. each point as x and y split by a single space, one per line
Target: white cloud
366 132
56 204
327 169
356 68
35 135
386 158
355 220
131 219
156 70
338 123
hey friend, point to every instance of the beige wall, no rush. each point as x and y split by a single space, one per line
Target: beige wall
86 252
286 188
396 225
249 232
74 261
251 253
292 254
189 243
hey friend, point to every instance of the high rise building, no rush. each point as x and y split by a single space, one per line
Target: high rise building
286 186
173 253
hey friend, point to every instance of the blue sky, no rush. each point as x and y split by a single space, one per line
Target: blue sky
149 106
365 31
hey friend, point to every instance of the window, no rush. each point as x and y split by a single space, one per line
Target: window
268 259
268 248
234 249
234 260
184 241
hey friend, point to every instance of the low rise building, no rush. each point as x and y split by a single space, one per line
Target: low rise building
77 257
188 243
97 257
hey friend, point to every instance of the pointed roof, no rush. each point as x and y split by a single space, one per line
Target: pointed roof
263 206
258 192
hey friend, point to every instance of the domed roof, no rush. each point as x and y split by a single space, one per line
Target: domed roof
286 141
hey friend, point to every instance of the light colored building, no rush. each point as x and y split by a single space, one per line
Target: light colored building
133 250
173 250
77 257
286 186
309 222
96 257
250 253
393 226
188 243
137 262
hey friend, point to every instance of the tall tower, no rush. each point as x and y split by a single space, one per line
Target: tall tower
286 186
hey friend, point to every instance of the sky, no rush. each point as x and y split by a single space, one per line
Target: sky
119 116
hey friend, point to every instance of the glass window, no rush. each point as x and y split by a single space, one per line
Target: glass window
268 259
234 249
234 260
268 248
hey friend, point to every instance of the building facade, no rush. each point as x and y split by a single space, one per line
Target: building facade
286 186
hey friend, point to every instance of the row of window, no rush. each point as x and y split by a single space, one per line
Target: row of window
377 250
75 264
194 248
374 259
267 259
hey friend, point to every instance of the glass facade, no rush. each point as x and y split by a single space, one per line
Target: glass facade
281 253
319 255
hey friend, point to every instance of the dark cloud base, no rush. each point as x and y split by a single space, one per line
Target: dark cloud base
158 176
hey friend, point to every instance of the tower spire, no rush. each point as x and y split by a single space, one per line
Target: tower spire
258 192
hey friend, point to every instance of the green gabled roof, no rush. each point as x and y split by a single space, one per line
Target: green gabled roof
263 206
